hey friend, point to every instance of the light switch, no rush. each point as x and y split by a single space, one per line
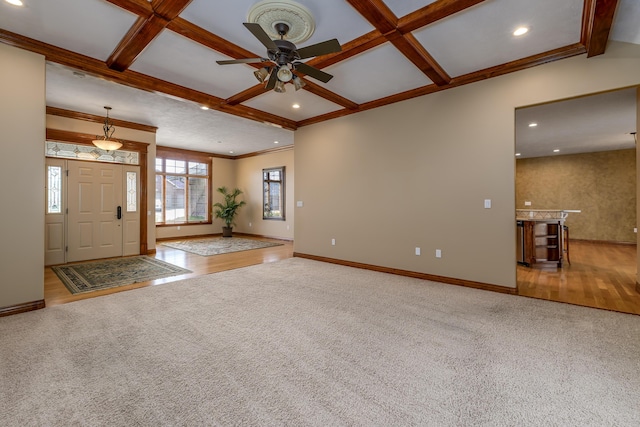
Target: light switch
438 253
299 203
417 251
527 203
487 203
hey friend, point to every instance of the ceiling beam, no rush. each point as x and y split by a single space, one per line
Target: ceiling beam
246 94
385 21
432 13
139 7
597 19
325 93
143 31
510 67
350 49
137 80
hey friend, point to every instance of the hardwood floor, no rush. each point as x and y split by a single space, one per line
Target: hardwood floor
600 276
56 293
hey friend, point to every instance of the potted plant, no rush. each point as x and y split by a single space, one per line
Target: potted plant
228 209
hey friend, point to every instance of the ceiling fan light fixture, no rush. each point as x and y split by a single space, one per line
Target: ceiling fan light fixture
298 83
261 74
284 74
279 87
107 142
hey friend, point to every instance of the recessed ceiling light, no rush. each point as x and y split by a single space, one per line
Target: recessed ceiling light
296 106
532 125
517 154
204 107
230 152
275 142
15 2
556 150
520 31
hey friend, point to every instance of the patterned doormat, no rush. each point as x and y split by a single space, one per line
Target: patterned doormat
219 245
111 273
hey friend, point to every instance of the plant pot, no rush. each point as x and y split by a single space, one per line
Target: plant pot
226 231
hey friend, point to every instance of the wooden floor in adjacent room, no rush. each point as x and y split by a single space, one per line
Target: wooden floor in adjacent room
600 275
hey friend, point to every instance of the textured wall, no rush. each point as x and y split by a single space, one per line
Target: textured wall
602 185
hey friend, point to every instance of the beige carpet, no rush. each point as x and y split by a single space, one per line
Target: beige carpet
299 342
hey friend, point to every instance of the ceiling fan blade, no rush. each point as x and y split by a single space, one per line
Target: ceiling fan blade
242 61
261 35
272 80
312 72
330 46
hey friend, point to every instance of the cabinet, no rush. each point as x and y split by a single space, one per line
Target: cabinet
542 242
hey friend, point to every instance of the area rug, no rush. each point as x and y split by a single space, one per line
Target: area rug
218 245
95 275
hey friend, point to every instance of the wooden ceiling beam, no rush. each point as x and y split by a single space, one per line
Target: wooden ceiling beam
385 21
143 31
416 53
597 19
350 49
510 67
432 13
377 13
246 94
141 8
137 80
325 93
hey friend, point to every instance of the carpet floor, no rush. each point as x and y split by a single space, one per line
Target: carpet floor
299 342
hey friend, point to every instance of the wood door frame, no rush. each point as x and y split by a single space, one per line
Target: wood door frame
141 148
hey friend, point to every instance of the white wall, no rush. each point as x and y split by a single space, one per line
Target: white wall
416 173
22 136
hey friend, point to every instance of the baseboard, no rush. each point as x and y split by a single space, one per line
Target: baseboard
21 308
417 275
263 236
602 242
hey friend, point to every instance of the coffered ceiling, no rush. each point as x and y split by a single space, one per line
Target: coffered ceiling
154 61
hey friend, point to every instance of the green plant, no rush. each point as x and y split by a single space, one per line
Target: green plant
228 209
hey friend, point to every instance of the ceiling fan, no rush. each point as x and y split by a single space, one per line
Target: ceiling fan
284 57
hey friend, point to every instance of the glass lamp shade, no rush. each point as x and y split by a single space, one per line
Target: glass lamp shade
279 87
298 83
284 74
261 74
107 144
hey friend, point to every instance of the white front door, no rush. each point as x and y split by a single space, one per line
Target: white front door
95 203
56 204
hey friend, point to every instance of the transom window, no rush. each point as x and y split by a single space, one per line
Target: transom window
273 193
183 188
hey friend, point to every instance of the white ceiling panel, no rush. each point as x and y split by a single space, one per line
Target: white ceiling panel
600 122
626 24
376 73
404 7
192 65
481 37
333 18
90 27
181 124
281 104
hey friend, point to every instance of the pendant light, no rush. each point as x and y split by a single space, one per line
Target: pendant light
106 142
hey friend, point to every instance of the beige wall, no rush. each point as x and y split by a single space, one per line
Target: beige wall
22 121
602 185
416 173
249 180
83 126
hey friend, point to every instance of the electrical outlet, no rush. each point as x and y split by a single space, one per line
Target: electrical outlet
438 253
635 230
417 251
287 227
487 203
178 227
299 203
333 242
527 203
249 224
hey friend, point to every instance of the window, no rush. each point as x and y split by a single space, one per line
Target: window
54 189
273 195
182 188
